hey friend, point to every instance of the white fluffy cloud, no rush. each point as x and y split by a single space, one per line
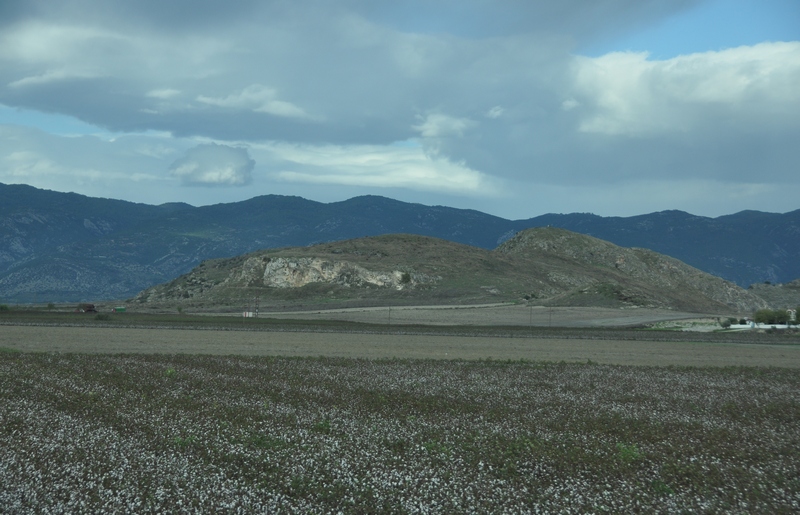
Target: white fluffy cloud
214 165
381 167
628 94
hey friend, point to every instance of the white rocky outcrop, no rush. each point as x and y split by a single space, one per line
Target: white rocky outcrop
281 272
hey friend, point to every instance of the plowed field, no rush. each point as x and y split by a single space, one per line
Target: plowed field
376 346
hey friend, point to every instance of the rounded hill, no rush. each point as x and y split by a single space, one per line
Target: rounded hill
544 265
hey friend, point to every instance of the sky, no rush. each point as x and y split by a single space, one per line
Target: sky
516 108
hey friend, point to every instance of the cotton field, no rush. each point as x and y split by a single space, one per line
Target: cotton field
171 434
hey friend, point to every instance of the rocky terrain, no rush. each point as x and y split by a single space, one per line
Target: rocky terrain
778 296
64 247
637 276
546 266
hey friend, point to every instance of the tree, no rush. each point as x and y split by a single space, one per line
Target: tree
763 316
769 316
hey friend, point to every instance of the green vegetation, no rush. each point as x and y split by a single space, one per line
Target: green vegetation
125 433
771 316
628 453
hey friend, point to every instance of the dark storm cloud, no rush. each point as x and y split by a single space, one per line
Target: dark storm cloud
481 91
353 77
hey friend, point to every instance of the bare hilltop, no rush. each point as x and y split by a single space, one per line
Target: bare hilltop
543 266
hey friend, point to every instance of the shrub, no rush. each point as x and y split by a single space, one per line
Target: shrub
726 324
4 307
102 316
628 453
770 316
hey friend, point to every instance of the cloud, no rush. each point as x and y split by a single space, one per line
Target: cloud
727 115
259 99
95 165
49 76
214 165
495 112
380 167
625 93
495 95
442 126
164 93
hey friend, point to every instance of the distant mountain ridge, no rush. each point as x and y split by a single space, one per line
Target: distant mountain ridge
60 247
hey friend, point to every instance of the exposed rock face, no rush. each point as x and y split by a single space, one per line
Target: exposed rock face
280 272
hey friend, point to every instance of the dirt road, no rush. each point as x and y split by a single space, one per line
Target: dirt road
492 314
175 341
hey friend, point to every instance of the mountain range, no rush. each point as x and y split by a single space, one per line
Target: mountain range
64 247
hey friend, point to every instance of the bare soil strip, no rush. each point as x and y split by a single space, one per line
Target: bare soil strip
371 346
492 314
